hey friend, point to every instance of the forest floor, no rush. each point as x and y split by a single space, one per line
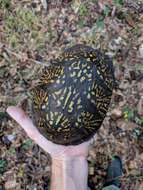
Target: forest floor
29 32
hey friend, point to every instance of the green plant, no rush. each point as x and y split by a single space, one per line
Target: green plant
106 11
27 144
22 25
140 122
100 23
5 4
81 23
136 132
83 10
3 165
22 20
100 20
12 151
136 30
118 2
128 113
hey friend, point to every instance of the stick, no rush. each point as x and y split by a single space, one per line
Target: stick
17 55
45 4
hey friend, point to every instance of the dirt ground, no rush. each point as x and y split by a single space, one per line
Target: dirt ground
28 32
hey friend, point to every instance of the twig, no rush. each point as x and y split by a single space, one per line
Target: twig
19 56
45 4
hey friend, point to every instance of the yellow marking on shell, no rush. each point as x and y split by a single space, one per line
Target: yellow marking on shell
88 96
59 129
70 109
47 116
74 91
65 121
91 55
79 101
88 59
51 122
79 73
46 99
79 119
71 58
68 96
63 82
51 115
92 92
54 96
73 74
59 118
83 65
43 106
98 104
62 97
66 130
58 92
93 101
58 81
79 106
89 75
85 71
58 103
55 113
64 76
82 79
77 67
103 108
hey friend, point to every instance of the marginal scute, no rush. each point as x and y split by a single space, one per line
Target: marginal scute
72 98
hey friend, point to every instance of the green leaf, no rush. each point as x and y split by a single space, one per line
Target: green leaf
140 122
106 11
100 23
81 23
27 144
118 2
128 113
5 4
3 165
12 151
83 10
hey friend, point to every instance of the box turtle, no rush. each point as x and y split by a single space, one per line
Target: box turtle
73 95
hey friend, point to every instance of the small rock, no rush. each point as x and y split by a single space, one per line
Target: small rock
141 186
116 113
140 106
9 185
141 50
7 139
132 164
91 171
124 84
45 4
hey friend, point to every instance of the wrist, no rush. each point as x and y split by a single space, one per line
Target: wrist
69 173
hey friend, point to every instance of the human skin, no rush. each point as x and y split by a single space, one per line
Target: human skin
69 164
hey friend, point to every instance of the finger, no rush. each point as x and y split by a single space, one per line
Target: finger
26 123
23 119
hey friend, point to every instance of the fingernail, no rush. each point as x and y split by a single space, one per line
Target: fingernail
10 109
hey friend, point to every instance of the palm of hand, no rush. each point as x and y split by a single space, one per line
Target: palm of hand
56 151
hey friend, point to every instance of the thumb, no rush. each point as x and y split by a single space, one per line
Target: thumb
23 119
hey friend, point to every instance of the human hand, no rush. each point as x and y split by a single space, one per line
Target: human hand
68 162
55 150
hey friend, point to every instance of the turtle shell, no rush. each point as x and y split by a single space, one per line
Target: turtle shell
73 95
